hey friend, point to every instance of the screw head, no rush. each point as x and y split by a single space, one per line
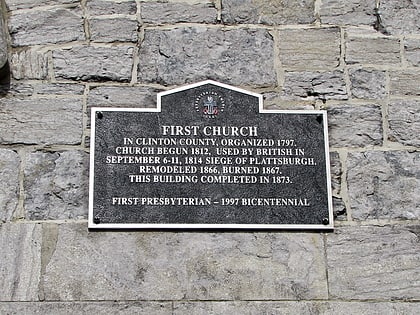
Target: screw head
325 221
96 220
100 115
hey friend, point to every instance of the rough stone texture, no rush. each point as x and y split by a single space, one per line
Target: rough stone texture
94 63
106 7
239 57
384 185
294 307
355 125
378 51
29 64
339 209
335 170
400 16
412 51
315 49
314 85
9 184
268 12
72 308
404 82
350 12
174 266
20 261
3 44
44 27
59 89
374 263
404 121
178 11
56 185
368 83
28 4
113 30
38 120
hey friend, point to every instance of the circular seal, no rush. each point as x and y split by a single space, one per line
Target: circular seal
209 103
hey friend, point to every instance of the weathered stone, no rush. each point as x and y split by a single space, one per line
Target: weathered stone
378 51
368 83
378 263
45 27
384 185
178 11
113 30
20 261
404 82
29 4
315 48
404 121
239 56
89 63
400 16
174 266
122 96
99 308
350 12
38 120
268 12
355 125
59 89
105 7
314 85
335 170
339 209
3 44
294 307
412 51
29 64
9 184
56 185
20 89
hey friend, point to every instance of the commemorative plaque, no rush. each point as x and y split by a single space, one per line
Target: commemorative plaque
209 156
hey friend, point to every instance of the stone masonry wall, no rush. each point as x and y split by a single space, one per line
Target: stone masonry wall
359 59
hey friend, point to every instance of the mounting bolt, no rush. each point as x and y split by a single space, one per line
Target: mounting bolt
319 118
96 220
99 115
325 221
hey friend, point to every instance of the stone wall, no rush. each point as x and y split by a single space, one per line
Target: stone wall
359 59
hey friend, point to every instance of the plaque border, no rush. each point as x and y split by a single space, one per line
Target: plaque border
188 226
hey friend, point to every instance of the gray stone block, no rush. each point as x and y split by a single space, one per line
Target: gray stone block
384 185
355 125
336 172
400 16
106 7
268 12
56 185
185 266
29 64
377 51
97 308
20 261
59 89
29 4
3 44
404 82
178 11
310 49
350 12
46 27
9 184
238 57
113 30
38 120
314 85
404 121
412 51
368 83
89 63
374 263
